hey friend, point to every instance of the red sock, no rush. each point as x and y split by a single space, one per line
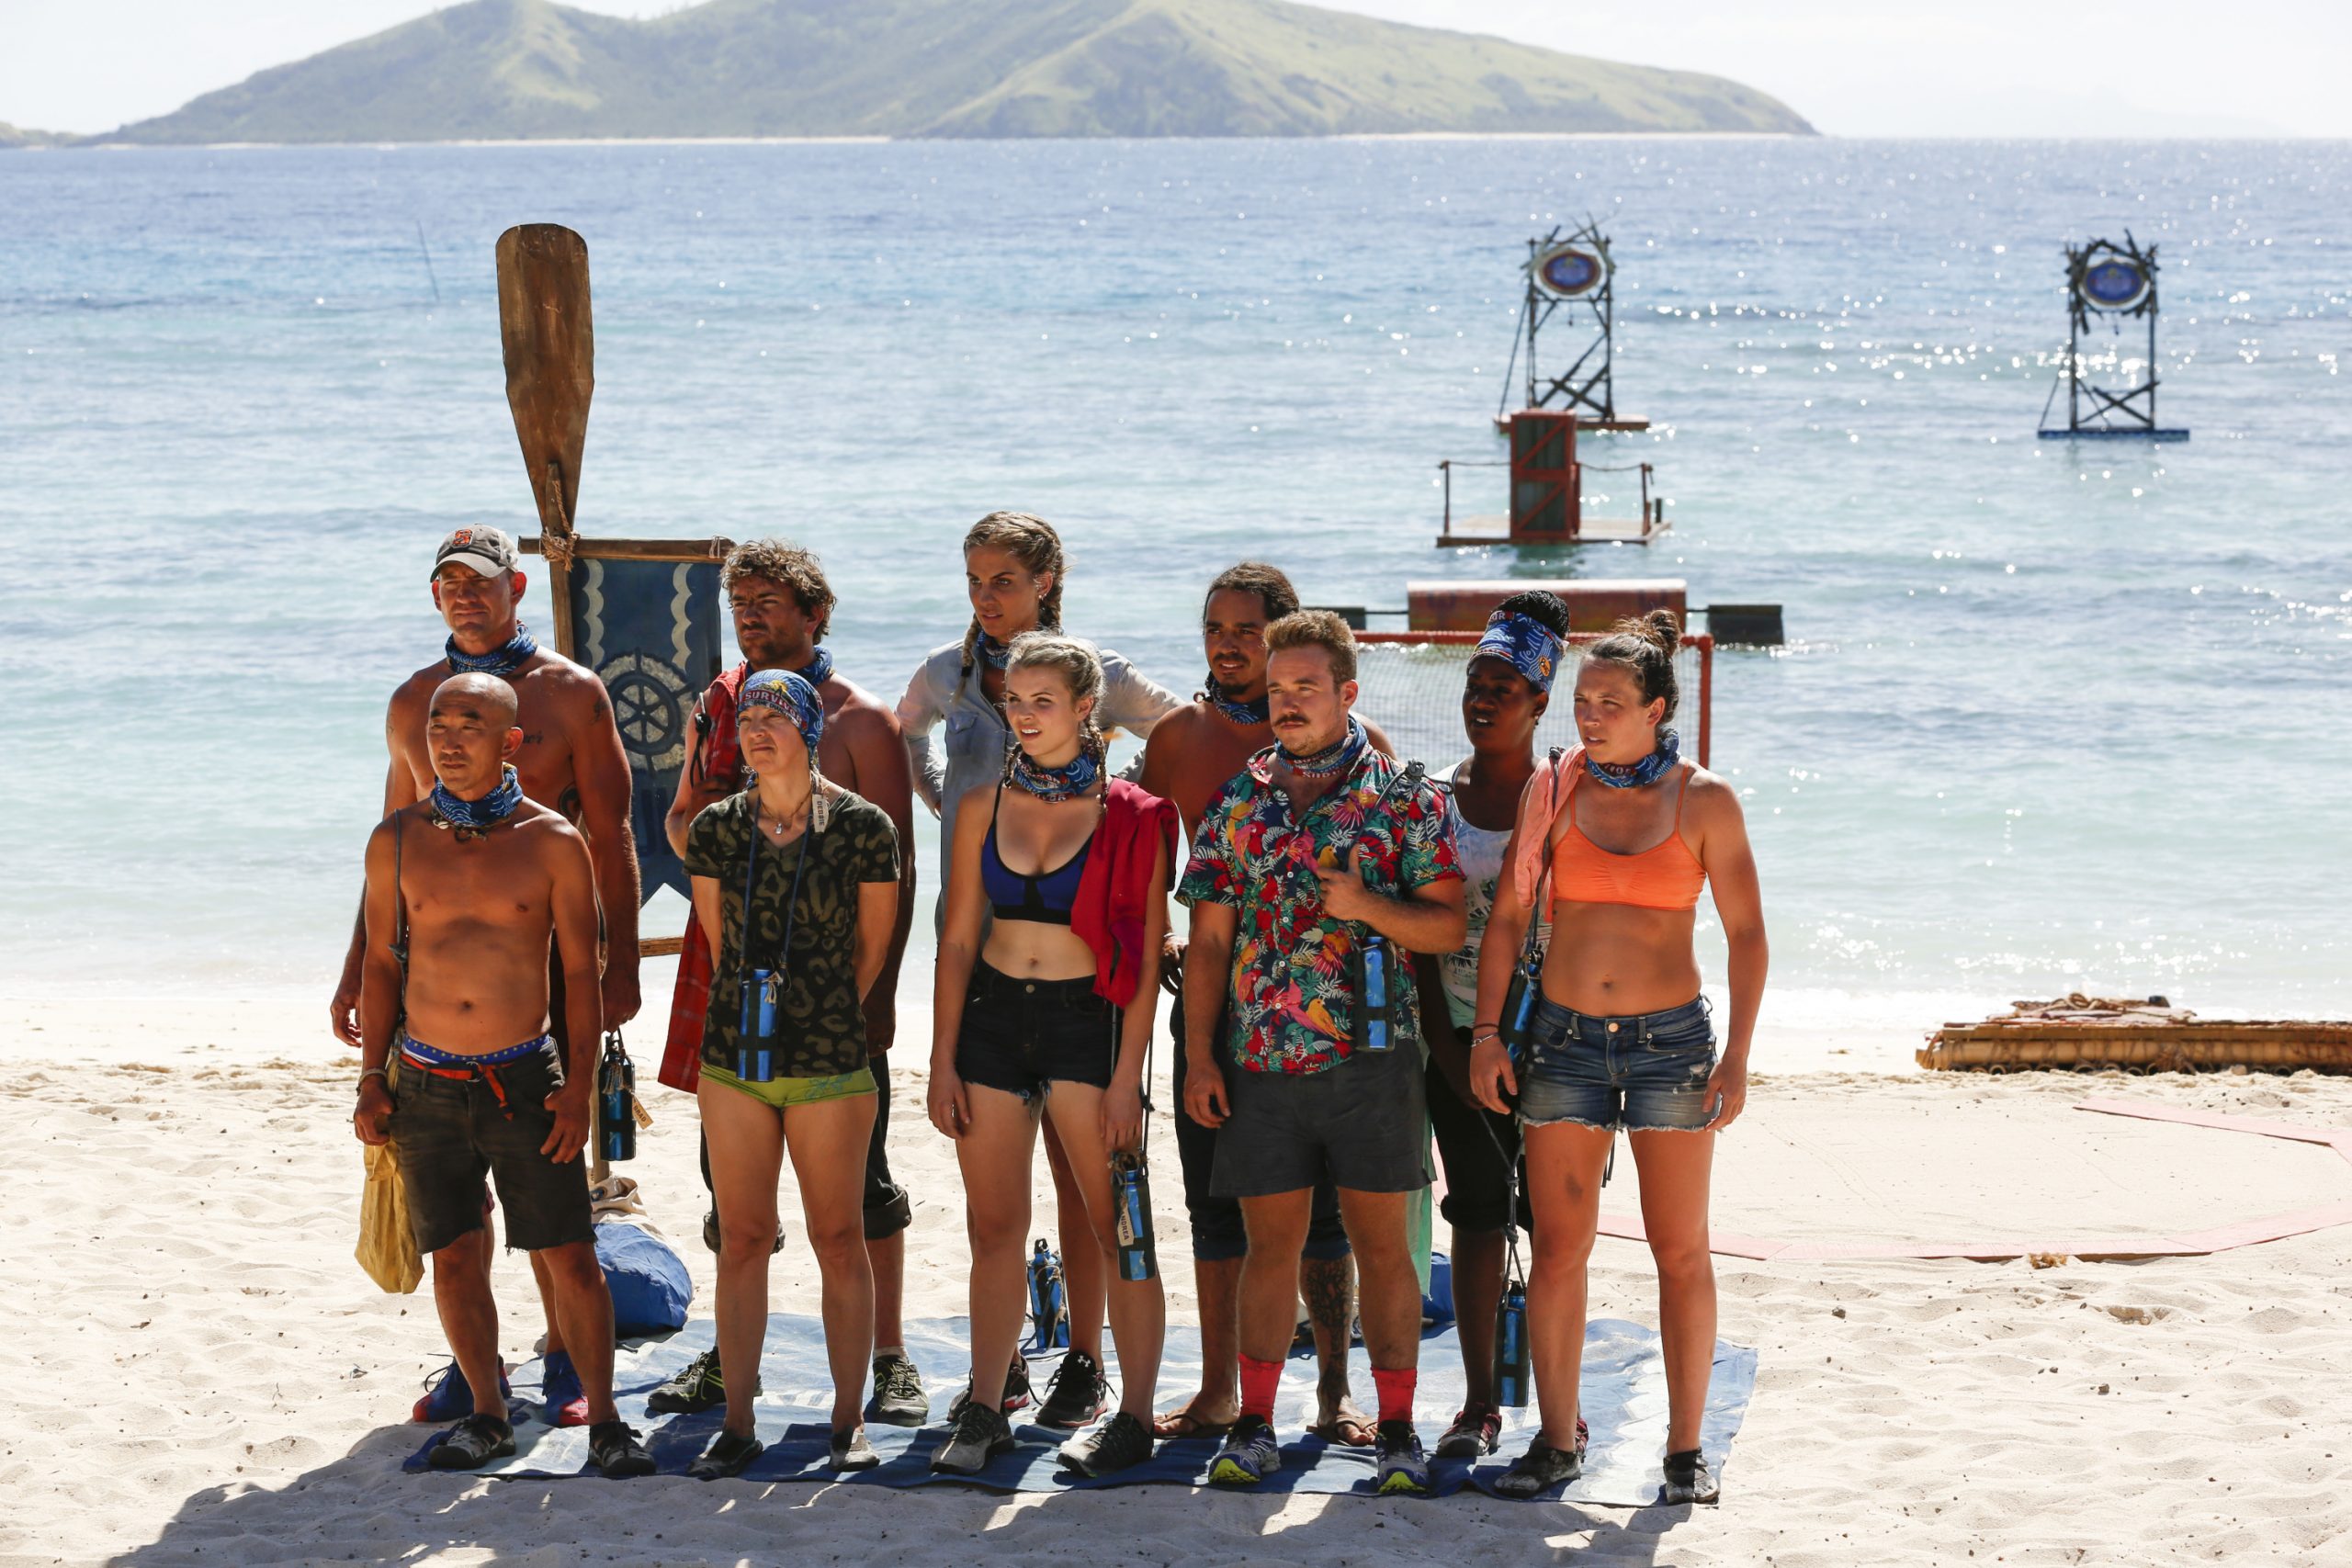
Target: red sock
1395 1388
1258 1381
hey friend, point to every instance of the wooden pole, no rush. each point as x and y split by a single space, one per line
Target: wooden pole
548 333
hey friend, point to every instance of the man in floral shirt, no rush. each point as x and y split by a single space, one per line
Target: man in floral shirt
1314 847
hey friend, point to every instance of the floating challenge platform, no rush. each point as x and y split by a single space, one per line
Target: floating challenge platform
2119 282
2148 1035
1547 500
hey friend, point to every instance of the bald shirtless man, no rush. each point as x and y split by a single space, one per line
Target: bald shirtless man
781 605
465 892
1189 757
571 760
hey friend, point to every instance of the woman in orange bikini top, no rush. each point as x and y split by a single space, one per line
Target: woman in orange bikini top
1619 839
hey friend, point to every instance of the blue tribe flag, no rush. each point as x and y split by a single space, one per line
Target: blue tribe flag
653 633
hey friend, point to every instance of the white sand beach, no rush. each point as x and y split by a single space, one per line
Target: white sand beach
202 1374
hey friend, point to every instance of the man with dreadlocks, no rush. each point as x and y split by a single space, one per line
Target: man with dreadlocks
782 607
1190 755
1013 574
571 759
465 891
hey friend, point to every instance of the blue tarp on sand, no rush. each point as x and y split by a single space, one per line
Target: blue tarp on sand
1623 1399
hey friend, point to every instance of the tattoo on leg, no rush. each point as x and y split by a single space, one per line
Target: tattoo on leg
1329 1286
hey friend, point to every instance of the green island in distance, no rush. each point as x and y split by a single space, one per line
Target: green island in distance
531 70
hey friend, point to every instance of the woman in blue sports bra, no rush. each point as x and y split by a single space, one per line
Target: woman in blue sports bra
1025 1027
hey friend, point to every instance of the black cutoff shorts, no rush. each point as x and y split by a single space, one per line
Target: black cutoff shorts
452 1131
1023 1036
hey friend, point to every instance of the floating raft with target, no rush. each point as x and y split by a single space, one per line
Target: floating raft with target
2136 1034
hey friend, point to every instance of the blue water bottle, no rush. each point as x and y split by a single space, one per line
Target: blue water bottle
1511 1348
755 1033
1131 1195
1048 1306
1372 997
616 1102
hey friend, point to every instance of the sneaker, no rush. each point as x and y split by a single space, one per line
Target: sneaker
1688 1479
1538 1469
565 1402
978 1437
1403 1468
1018 1394
698 1386
614 1450
1476 1432
1075 1394
448 1397
850 1451
1117 1444
729 1454
1248 1456
898 1398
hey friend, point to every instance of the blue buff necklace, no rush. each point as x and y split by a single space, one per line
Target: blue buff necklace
1337 757
475 818
820 669
1251 711
1068 782
502 660
1634 775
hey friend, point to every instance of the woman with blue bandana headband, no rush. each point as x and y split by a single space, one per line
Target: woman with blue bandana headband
1507 689
1615 844
796 885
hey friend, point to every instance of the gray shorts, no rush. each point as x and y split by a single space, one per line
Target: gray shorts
1363 1124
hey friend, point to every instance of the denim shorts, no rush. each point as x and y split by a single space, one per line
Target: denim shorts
1024 1035
1644 1072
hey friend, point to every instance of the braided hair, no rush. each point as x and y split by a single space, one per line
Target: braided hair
1080 668
1031 541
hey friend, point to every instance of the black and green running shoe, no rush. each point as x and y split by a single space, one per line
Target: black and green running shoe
1248 1456
899 1399
1403 1468
698 1386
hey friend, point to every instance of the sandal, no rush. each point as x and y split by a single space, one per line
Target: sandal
1177 1425
1348 1431
729 1454
472 1443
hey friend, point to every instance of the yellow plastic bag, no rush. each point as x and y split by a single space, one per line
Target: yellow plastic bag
387 1245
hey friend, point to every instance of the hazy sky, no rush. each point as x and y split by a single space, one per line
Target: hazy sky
1853 67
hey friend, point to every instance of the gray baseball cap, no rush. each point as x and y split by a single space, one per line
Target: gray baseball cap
486 552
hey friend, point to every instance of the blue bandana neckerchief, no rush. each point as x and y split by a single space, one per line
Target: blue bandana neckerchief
994 654
793 696
820 669
1340 757
502 660
1068 782
1524 643
1251 711
475 818
1634 775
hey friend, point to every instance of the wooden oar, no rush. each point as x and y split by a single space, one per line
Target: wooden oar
545 326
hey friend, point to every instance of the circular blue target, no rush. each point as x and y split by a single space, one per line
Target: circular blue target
2114 283
1570 271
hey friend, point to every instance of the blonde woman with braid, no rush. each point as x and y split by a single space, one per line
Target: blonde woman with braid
1013 574
1047 980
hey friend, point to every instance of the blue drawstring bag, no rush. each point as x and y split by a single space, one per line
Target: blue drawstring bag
649 1281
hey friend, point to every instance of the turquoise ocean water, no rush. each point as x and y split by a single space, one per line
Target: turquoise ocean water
2051 717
